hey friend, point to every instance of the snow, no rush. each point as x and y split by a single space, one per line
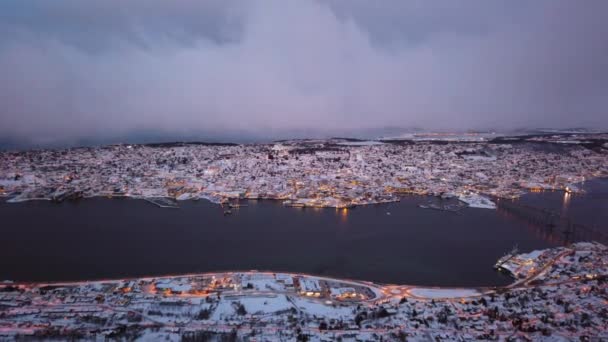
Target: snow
443 293
569 142
173 286
481 175
532 255
477 201
224 309
319 309
360 143
285 279
10 182
309 285
266 304
341 291
158 336
261 282
185 196
480 158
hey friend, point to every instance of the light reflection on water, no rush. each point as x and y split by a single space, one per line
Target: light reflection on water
390 243
566 203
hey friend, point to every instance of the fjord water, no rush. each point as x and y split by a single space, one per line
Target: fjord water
389 243
589 208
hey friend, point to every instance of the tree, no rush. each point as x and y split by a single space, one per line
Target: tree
240 310
301 337
382 313
484 302
203 314
360 317
442 317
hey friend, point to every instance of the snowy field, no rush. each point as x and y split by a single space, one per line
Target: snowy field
443 293
322 310
360 143
253 305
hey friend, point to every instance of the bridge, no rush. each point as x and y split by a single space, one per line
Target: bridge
555 226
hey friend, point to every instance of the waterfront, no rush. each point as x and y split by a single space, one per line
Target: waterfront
567 283
389 243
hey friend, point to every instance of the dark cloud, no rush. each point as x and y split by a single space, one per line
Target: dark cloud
71 69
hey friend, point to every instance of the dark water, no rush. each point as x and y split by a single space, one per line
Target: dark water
103 238
589 208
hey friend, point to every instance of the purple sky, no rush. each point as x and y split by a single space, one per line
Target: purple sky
71 69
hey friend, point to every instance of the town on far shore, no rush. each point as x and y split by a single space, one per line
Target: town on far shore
477 169
557 294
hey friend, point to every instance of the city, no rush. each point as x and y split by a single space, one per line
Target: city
311 170
558 293
334 173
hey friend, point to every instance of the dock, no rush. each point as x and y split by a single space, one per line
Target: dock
163 202
454 208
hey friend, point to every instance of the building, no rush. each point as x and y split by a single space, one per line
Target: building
310 287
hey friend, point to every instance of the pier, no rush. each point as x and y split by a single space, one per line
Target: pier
163 202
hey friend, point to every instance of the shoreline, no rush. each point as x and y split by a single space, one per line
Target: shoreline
516 281
297 203
279 306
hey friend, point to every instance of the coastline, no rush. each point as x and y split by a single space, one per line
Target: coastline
14 199
472 200
277 306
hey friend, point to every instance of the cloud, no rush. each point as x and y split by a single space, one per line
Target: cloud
71 69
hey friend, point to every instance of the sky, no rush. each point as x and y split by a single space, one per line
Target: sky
107 69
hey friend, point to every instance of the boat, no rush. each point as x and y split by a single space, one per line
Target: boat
227 212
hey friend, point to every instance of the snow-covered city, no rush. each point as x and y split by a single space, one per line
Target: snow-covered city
338 173
311 170
558 294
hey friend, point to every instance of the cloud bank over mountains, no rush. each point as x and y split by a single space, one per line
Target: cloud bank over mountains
71 69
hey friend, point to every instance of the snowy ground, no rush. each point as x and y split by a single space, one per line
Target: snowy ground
322 310
266 304
360 143
477 201
443 293
254 305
